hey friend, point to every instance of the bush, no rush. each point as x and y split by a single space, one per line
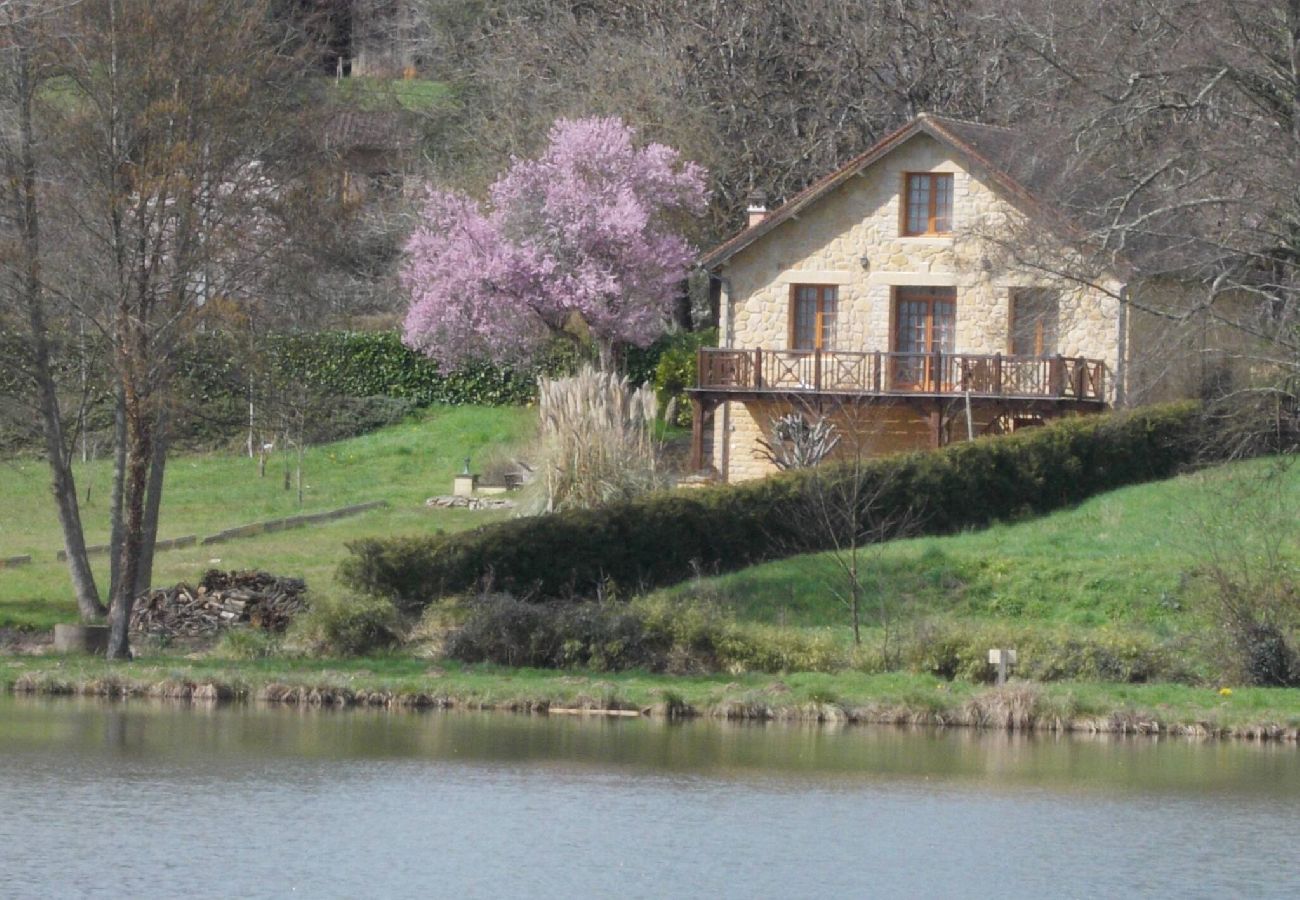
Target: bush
656 634
675 371
956 651
351 626
247 643
662 538
596 440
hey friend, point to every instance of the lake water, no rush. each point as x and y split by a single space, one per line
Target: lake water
151 800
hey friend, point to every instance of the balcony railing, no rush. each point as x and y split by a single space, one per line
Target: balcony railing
903 374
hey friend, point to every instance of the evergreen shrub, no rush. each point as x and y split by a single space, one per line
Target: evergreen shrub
668 536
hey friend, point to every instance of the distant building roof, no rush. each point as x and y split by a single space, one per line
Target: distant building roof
356 129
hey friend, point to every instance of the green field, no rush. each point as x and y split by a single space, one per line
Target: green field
205 493
1122 558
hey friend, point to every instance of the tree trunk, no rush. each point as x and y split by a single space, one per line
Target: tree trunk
57 453
682 308
139 455
119 486
152 505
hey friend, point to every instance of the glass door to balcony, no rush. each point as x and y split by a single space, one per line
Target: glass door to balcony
925 323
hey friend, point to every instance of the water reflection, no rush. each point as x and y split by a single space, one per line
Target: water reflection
149 799
159 732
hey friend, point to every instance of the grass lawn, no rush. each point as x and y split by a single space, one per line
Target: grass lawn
412 94
1119 558
205 493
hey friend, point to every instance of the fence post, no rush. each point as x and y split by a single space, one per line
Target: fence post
758 368
997 374
817 368
1056 381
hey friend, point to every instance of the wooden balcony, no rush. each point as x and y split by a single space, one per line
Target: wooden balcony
734 374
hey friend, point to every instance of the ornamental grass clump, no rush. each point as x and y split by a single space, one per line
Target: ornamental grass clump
597 440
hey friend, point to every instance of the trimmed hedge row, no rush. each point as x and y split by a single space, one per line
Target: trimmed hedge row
665 537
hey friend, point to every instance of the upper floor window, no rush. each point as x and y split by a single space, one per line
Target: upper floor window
929 204
812 316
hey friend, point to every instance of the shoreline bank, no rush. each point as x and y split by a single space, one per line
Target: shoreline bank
1261 714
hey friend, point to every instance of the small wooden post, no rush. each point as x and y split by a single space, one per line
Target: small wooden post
997 374
1057 377
697 434
701 377
875 373
758 368
936 372
1080 377
936 428
817 369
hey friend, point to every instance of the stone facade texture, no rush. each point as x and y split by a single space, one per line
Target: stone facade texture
852 238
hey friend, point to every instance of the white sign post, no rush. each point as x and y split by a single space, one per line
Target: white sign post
1003 659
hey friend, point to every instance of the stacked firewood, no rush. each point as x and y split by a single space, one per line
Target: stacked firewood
221 600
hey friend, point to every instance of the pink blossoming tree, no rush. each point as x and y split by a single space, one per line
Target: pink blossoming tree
585 230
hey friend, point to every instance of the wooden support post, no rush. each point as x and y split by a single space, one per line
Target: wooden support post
701 377
997 374
936 427
697 434
936 371
817 369
758 368
877 385
1056 379
1080 377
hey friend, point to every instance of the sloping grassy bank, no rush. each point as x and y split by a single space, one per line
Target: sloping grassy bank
403 465
845 697
1126 558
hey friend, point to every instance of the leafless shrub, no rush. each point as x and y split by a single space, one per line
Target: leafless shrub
795 443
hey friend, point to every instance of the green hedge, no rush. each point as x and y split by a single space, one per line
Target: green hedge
665 537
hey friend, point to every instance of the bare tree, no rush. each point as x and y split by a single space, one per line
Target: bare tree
767 94
29 33
845 507
154 141
1167 149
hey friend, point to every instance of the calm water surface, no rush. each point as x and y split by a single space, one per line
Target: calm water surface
150 800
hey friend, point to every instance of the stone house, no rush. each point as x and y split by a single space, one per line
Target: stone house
875 298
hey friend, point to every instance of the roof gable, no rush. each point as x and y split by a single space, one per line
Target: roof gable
990 147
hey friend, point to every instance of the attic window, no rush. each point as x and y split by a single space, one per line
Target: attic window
929 204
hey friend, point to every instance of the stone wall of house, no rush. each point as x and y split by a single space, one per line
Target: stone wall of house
852 238
869 429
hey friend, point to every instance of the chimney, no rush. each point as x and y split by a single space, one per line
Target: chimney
757 208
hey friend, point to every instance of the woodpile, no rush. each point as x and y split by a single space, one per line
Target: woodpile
221 600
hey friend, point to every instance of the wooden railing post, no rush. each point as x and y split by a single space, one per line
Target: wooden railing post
700 375
697 435
817 368
758 368
1056 378
997 374
1080 377
877 385
936 372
